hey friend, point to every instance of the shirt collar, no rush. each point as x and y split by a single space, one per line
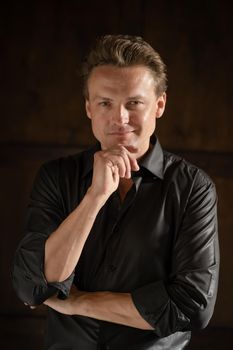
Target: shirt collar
153 161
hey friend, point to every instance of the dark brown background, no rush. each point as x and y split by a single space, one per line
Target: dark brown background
42 116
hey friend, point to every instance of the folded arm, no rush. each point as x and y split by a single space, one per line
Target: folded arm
106 306
48 254
185 300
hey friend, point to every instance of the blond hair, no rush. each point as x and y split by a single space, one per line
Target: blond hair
125 51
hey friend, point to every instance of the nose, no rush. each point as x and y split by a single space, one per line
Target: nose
121 115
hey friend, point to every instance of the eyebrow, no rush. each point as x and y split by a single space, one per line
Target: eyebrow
97 97
137 97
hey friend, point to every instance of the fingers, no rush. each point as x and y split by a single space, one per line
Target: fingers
117 163
133 163
124 165
31 307
115 173
121 158
130 162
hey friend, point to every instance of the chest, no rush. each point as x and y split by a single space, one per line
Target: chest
130 238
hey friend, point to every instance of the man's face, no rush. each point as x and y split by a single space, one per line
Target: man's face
123 106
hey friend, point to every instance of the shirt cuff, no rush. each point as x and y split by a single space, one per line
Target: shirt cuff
156 307
63 287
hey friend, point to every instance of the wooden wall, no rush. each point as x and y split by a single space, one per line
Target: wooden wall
42 110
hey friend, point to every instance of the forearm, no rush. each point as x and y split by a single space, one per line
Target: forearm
112 307
64 246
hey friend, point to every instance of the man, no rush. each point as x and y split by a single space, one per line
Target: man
121 239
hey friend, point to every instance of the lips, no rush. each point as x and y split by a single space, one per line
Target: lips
120 132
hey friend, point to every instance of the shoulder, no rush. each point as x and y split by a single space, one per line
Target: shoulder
64 177
181 170
189 185
79 164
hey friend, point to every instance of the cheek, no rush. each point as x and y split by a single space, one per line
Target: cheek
99 124
149 120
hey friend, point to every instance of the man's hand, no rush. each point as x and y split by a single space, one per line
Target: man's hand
64 246
67 306
109 166
107 306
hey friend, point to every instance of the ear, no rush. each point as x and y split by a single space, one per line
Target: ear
88 110
161 103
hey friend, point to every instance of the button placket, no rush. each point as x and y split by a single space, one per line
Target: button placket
121 209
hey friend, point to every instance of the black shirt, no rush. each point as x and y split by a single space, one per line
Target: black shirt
160 245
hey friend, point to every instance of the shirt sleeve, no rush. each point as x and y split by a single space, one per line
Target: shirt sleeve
44 215
186 300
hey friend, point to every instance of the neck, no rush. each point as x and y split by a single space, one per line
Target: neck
142 155
124 187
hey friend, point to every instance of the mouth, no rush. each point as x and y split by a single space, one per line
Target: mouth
121 133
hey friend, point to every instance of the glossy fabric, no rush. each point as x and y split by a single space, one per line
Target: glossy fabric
160 245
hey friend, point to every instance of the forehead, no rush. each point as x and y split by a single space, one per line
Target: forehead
110 79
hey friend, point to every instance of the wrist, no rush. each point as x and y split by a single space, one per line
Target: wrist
83 306
98 199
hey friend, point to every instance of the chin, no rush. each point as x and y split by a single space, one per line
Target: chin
119 141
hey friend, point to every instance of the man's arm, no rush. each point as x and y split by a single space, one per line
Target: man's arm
106 306
64 246
186 299
47 255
